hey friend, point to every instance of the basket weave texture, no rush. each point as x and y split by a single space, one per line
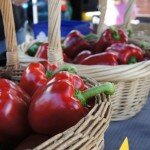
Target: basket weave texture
89 132
132 84
132 81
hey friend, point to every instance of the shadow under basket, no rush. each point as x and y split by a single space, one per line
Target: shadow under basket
88 133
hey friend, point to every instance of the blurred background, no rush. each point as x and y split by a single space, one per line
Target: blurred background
82 15
36 10
83 10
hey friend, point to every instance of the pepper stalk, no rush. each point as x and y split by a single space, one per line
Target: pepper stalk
107 88
69 68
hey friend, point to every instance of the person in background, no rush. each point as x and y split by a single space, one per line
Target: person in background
66 10
19 19
116 10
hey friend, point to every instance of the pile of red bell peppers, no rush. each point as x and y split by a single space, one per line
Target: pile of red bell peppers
48 100
112 48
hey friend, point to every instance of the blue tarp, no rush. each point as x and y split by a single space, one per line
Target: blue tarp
66 27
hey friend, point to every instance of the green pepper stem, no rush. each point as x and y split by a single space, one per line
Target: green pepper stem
49 74
115 33
144 45
129 32
132 60
91 36
69 68
107 88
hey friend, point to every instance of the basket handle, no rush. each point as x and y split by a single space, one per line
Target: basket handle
102 7
127 16
10 34
54 36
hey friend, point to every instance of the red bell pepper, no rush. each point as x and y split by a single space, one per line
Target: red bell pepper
14 103
74 44
127 53
34 76
82 55
37 74
48 66
76 80
105 58
57 106
42 51
7 84
109 37
72 37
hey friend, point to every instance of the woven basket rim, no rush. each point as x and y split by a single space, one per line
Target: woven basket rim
118 66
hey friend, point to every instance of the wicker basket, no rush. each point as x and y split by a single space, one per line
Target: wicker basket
25 59
88 133
132 81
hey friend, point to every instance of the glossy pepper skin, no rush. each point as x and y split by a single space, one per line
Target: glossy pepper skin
54 102
105 58
42 51
82 55
48 66
76 80
7 84
110 36
34 76
127 53
37 74
74 44
57 106
14 104
72 37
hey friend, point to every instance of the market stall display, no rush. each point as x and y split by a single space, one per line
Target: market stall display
85 132
132 80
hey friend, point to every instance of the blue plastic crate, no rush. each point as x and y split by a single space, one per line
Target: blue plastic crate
66 27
